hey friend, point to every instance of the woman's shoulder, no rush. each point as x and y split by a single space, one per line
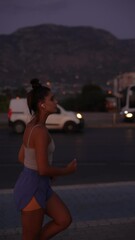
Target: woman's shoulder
35 131
38 128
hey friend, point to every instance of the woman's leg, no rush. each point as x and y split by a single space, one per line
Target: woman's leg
60 215
32 220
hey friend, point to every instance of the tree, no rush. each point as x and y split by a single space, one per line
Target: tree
92 98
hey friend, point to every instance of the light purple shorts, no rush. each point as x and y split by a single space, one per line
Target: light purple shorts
31 184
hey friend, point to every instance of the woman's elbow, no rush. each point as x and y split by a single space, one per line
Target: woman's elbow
43 172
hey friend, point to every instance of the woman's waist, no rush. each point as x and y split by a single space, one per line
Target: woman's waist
30 163
33 172
30 170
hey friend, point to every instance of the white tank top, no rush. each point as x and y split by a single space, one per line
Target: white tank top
30 156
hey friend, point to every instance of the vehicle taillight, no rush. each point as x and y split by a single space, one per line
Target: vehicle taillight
9 113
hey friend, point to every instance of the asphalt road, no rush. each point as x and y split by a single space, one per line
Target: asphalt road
103 155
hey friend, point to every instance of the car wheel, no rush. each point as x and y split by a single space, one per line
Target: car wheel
19 127
69 127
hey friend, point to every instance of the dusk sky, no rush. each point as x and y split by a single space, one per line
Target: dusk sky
115 16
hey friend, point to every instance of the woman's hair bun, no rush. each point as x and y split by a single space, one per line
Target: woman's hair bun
35 83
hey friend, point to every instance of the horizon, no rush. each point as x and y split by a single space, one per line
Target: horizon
61 25
116 17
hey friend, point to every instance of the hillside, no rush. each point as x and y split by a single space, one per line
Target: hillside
59 53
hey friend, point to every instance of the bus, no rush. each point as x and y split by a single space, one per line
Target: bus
127 104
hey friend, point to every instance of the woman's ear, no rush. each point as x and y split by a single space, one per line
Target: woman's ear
41 105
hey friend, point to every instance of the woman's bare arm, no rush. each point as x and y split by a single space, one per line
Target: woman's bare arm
21 154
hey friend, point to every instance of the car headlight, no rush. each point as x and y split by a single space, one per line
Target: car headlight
79 115
129 115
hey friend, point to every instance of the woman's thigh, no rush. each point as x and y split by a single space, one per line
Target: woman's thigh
32 205
32 223
57 209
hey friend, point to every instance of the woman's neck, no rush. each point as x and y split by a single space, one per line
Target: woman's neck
40 119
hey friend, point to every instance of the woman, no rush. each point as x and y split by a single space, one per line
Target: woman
33 193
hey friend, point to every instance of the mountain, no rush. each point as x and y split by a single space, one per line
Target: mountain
64 54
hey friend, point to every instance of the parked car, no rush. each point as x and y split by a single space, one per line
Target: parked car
127 116
19 116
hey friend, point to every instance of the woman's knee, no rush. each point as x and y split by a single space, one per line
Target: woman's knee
68 221
65 221
58 211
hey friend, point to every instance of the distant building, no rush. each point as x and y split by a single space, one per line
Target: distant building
126 79
123 80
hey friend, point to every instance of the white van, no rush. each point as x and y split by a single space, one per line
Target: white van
19 116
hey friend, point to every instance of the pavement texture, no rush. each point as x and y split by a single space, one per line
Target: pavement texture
99 212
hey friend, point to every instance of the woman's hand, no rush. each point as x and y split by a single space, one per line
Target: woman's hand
71 167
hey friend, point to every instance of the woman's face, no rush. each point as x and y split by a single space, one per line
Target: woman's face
50 103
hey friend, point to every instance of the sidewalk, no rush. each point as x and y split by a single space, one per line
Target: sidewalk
99 211
118 231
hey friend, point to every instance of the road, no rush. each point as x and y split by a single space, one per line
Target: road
103 155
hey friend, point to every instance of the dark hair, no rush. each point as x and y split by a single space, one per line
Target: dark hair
37 94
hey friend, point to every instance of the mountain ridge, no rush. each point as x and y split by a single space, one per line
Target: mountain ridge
64 54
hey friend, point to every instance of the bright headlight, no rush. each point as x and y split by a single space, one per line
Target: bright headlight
79 115
129 115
